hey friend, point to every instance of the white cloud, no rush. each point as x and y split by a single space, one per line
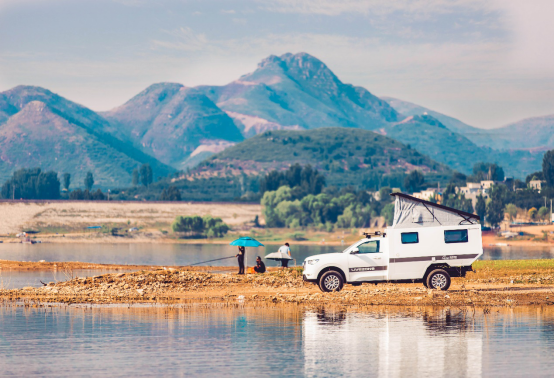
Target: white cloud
184 39
333 7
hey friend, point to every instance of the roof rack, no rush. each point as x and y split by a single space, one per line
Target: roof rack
368 235
461 213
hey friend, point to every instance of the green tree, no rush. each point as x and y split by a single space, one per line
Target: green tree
388 213
135 177
511 210
32 184
89 181
66 181
98 195
495 212
146 175
195 225
532 212
170 194
488 171
543 213
414 181
548 167
384 193
269 202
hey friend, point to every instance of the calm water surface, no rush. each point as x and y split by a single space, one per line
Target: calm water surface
185 254
120 341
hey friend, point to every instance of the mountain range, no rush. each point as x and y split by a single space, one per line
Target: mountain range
40 128
530 134
171 126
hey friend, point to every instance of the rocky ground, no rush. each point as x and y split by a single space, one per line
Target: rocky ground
487 288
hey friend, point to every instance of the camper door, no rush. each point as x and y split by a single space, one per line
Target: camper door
368 261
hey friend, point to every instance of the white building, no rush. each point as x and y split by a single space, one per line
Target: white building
427 194
536 184
472 190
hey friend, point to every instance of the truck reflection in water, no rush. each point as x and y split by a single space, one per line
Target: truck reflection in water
391 345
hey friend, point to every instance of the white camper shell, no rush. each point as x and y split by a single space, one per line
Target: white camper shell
427 243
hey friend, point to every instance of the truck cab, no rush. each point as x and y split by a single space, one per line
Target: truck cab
419 247
363 261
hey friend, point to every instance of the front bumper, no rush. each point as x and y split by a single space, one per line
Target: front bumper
307 279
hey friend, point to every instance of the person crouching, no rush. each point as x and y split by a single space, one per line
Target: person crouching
260 266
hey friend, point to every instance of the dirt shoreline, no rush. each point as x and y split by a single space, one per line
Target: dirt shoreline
494 284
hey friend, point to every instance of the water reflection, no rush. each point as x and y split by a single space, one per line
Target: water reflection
274 341
389 345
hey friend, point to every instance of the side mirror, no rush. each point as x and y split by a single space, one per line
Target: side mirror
354 251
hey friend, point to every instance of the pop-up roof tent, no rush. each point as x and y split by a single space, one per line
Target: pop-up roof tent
410 212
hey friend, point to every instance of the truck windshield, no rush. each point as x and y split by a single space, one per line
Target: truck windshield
365 246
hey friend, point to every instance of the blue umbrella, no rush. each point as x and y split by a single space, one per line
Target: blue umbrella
246 241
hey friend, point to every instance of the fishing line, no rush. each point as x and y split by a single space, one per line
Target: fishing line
203 262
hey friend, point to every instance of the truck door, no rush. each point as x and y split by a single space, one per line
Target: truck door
368 262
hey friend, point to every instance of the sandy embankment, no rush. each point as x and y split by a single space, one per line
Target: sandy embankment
509 284
77 215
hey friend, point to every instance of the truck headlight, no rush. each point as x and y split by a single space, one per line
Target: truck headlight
313 262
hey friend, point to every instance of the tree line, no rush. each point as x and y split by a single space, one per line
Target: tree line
194 226
33 183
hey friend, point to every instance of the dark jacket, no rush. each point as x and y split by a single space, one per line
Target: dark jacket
260 267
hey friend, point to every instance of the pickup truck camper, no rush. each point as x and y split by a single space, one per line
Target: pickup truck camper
427 243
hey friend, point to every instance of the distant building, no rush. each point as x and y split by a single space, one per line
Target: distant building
536 184
472 190
429 193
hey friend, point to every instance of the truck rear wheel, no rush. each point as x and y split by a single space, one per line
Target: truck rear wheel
438 279
331 281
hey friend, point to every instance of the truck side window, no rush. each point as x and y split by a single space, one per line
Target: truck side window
369 247
455 236
410 237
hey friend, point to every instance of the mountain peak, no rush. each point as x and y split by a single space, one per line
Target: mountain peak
20 89
299 66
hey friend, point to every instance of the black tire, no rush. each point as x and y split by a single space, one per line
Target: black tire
331 281
425 282
438 279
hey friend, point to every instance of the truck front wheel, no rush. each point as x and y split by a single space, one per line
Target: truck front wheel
438 279
331 281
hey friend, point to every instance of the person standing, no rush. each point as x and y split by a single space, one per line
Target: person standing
240 258
285 249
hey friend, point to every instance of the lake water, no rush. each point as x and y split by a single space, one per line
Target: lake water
186 254
177 255
274 341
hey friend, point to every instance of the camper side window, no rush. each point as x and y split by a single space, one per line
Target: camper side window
455 236
410 238
369 247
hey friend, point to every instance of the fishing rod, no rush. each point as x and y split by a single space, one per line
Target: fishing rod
203 262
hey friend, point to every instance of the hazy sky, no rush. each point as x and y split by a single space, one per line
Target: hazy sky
487 63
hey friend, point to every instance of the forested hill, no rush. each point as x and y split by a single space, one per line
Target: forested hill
346 156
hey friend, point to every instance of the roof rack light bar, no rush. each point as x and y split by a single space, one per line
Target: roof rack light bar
368 235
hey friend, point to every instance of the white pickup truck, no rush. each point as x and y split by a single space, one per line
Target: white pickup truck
427 243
